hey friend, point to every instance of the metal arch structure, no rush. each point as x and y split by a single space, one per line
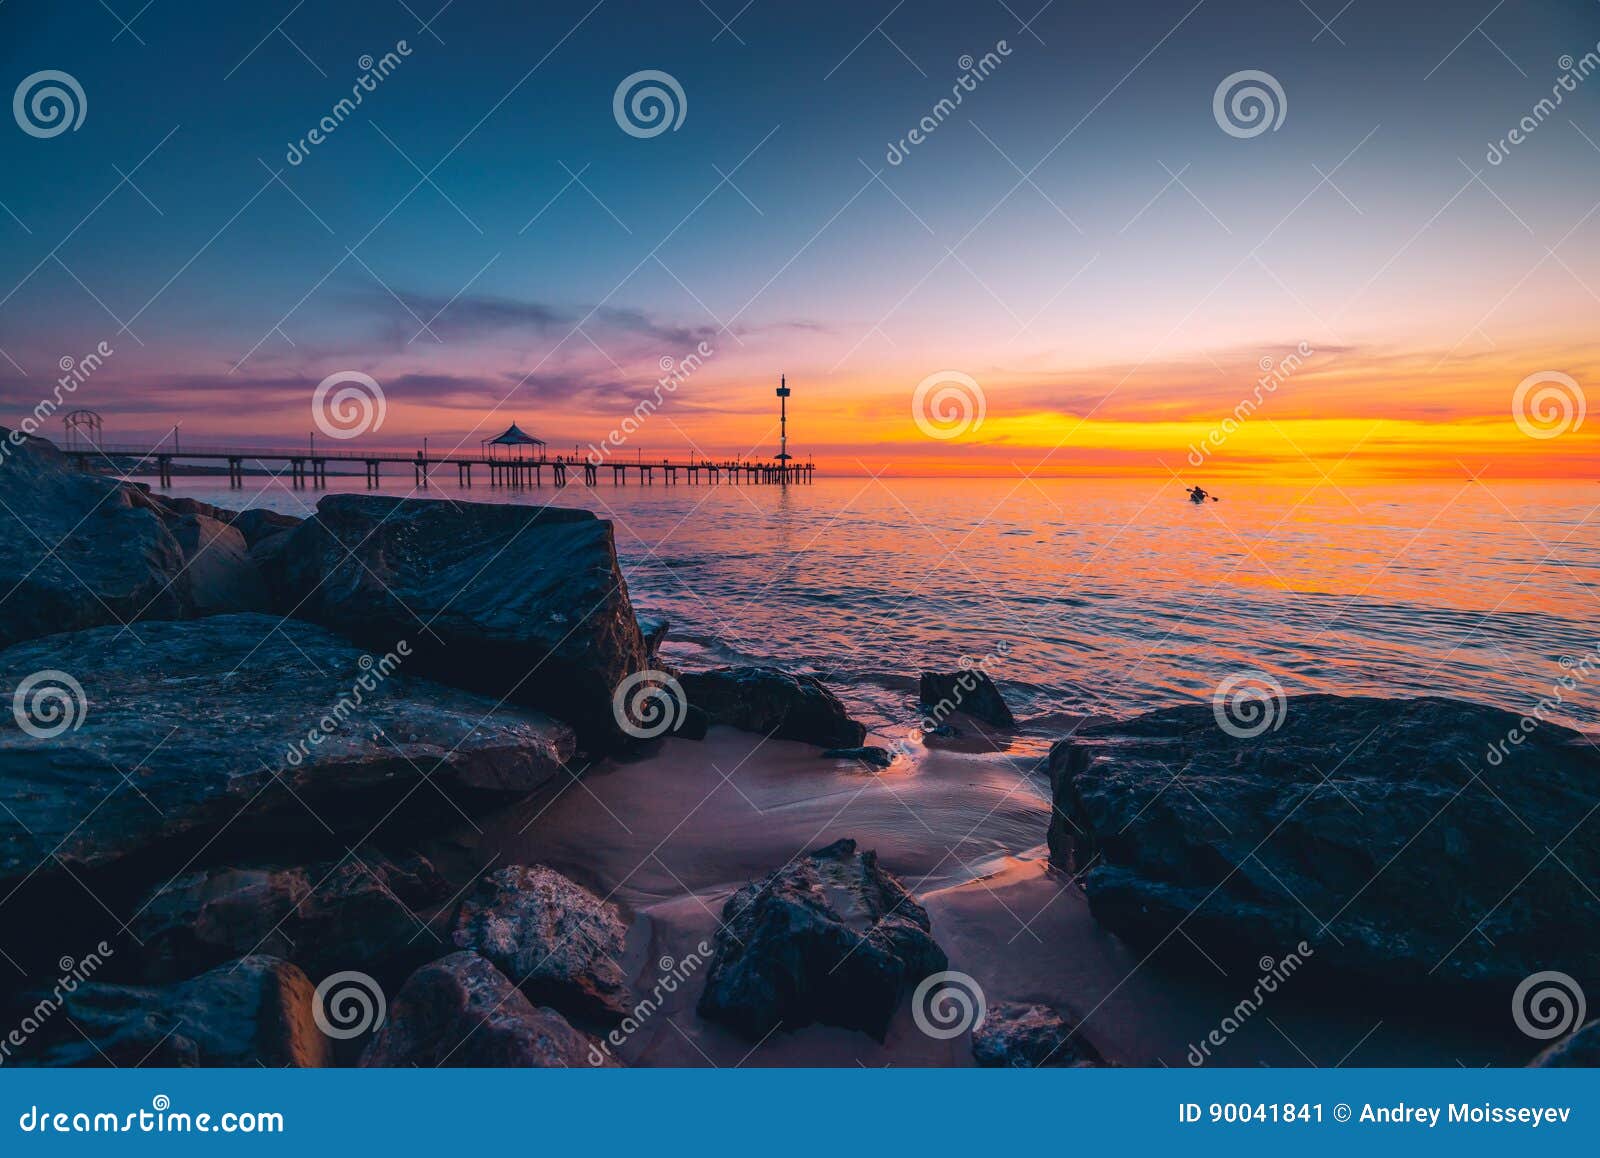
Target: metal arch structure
83 429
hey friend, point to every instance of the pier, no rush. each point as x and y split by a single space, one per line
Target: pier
307 468
513 458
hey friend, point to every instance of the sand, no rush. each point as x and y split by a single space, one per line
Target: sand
670 836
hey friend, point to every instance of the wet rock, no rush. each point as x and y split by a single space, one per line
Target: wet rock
1028 1036
969 691
246 721
870 755
362 912
694 726
462 1011
257 1009
784 705
557 941
1579 1049
526 603
1416 829
653 629
832 938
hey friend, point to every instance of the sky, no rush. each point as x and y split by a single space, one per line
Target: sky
1084 267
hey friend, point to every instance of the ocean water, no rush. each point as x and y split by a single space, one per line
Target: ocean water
1089 596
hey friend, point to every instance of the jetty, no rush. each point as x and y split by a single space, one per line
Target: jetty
307 467
513 458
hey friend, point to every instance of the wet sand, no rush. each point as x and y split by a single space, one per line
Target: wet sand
670 836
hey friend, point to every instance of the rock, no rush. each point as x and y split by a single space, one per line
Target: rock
653 629
254 1010
832 938
362 912
694 724
1435 850
1578 1049
245 721
462 1011
1028 1036
258 523
970 691
870 755
525 603
206 917
181 506
773 703
77 550
558 942
220 574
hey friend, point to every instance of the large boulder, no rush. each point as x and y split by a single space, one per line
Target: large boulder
780 704
79 550
364 912
1410 842
462 1011
218 571
259 523
525 603
254 1011
969 691
831 938
1019 1036
238 721
555 939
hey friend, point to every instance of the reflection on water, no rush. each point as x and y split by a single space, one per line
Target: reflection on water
1112 595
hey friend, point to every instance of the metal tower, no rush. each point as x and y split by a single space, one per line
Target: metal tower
783 424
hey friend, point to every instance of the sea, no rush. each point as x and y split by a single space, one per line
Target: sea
1094 597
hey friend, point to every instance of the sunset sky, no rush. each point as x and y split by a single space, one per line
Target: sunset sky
1080 237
